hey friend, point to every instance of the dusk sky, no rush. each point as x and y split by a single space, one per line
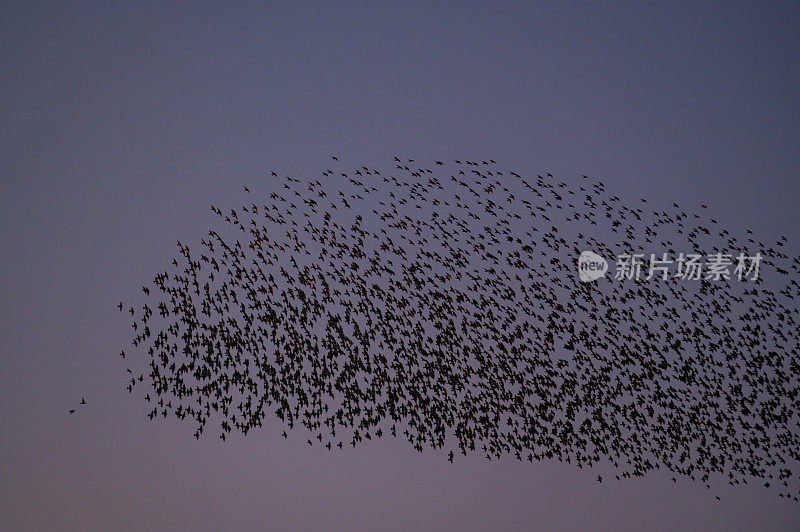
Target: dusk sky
122 123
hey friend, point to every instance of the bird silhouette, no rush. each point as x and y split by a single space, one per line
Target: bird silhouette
443 306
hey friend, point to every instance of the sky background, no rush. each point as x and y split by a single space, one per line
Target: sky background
120 124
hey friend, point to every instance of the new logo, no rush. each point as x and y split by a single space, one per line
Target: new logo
591 266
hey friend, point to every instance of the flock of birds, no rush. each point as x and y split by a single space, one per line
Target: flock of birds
442 305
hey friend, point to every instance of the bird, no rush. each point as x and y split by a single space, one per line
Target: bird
440 303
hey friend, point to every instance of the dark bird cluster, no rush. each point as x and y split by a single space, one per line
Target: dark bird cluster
442 305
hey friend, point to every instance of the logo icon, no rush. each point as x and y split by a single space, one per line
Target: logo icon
591 266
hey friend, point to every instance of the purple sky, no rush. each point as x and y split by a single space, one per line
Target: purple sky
120 125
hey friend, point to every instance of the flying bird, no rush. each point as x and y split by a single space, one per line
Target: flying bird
441 304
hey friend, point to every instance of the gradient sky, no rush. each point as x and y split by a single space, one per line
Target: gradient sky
121 124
